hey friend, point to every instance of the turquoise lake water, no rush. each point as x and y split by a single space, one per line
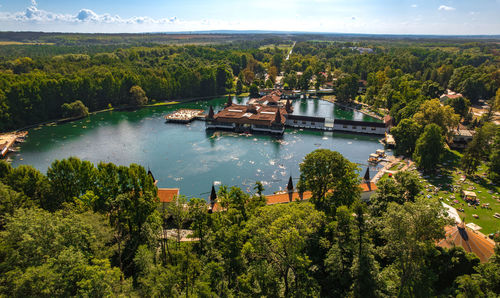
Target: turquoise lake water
188 157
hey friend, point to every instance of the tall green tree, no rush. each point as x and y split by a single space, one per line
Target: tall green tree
224 78
404 187
484 283
411 230
331 178
59 254
478 150
347 87
460 105
69 179
30 182
365 268
494 163
429 148
254 90
75 109
239 87
10 200
406 134
340 256
432 112
279 237
137 96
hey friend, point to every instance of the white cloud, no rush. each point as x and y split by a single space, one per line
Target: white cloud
446 8
87 15
34 15
414 5
87 20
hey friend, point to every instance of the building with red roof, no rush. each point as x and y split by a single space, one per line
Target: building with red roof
472 241
167 195
253 117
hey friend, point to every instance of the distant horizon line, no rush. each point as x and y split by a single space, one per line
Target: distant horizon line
224 31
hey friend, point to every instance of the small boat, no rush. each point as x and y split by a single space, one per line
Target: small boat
380 152
373 158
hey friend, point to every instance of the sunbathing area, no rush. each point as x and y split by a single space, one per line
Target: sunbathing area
7 140
184 115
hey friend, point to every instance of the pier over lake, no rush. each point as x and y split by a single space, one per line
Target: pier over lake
188 157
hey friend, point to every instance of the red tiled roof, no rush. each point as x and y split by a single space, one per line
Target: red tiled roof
285 198
453 95
281 198
471 241
252 114
365 187
166 195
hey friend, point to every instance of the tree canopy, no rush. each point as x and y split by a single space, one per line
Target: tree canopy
331 178
429 148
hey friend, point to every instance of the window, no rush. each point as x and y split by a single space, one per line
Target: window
344 126
373 128
295 121
312 123
363 128
303 122
354 127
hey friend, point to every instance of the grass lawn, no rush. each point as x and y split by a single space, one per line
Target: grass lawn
396 166
162 104
440 186
287 47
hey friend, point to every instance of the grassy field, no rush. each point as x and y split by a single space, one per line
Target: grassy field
441 186
8 43
162 104
396 166
287 47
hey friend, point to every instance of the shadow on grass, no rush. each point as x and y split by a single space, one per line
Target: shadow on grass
443 176
484 182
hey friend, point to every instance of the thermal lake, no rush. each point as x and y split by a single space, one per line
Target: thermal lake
189 157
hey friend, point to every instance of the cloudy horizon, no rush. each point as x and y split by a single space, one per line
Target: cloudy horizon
336 16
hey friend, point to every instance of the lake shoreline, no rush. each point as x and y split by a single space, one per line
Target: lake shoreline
186 156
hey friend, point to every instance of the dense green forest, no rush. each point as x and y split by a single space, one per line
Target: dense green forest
99 230
400 76
85 230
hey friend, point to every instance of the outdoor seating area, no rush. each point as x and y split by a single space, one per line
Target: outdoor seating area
475 197
470 197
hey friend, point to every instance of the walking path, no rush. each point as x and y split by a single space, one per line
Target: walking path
291 50
392 161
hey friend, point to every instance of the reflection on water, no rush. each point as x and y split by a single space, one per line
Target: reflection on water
189 157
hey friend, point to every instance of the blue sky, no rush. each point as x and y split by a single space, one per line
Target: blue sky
345 16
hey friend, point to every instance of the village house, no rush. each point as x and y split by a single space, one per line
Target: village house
460 137
449 95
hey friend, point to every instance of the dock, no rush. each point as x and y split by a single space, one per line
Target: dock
185 115
7 140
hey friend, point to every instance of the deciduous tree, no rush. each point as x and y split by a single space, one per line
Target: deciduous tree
406 134
137 96
432 111
331 178
410 230
429 148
